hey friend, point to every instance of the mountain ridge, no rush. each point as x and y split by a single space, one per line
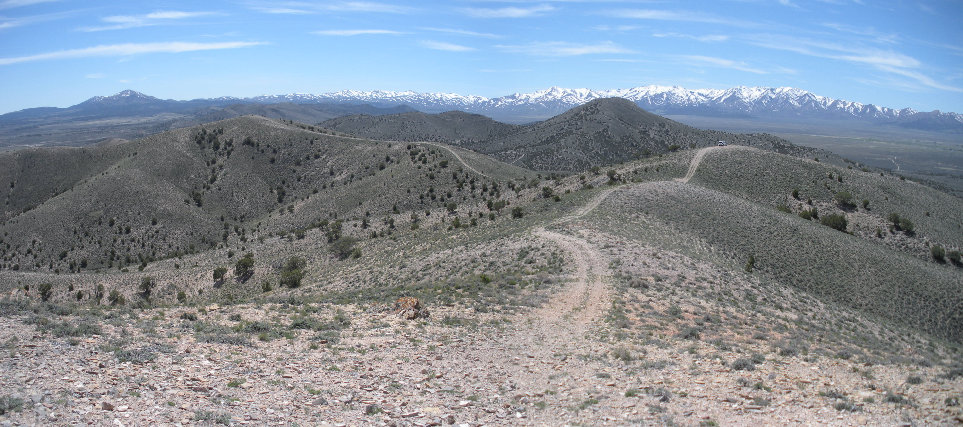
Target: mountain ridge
740 100
746 101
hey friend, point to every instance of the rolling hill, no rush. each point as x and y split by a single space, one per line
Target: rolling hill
274 263
600 132
190 189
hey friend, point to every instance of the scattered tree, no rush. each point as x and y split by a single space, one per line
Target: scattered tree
147 286
116 298
219 273
517 212
844 199
45 291
244 268
293 272
343 247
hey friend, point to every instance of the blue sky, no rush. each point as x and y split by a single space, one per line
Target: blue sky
889 53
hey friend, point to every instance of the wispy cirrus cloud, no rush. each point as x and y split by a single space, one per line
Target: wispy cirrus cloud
885 60
722 63
679 16
445 46
509 12
10 4
308 8
462 32
123 22
565 48
7 23
348 33
703 38
869 33
127 49
616 28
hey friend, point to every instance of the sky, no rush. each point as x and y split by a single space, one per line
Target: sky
890 53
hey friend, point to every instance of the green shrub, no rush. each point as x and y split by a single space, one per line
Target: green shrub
147 286
938 253
343 247
894 218
953 256
116 298
10 404
292 272
219 273
45 291
244 267
837 221
844 199
907 226
743 364
517 212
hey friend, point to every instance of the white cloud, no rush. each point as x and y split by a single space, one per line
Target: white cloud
705 38
364 6
355 32
127 49
10 4
884 60
678 15
95 76
509 12
308 8
870 33
463 32
616 28
283 10
565 48
723 63
445 46
123 22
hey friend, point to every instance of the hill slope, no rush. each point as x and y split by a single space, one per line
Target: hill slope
599 133
189 189
451 127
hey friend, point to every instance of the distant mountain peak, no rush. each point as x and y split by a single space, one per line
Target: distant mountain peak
123 97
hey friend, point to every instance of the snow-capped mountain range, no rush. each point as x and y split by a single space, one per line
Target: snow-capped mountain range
737 101
764 104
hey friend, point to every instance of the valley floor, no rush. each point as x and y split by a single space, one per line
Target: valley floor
602 350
